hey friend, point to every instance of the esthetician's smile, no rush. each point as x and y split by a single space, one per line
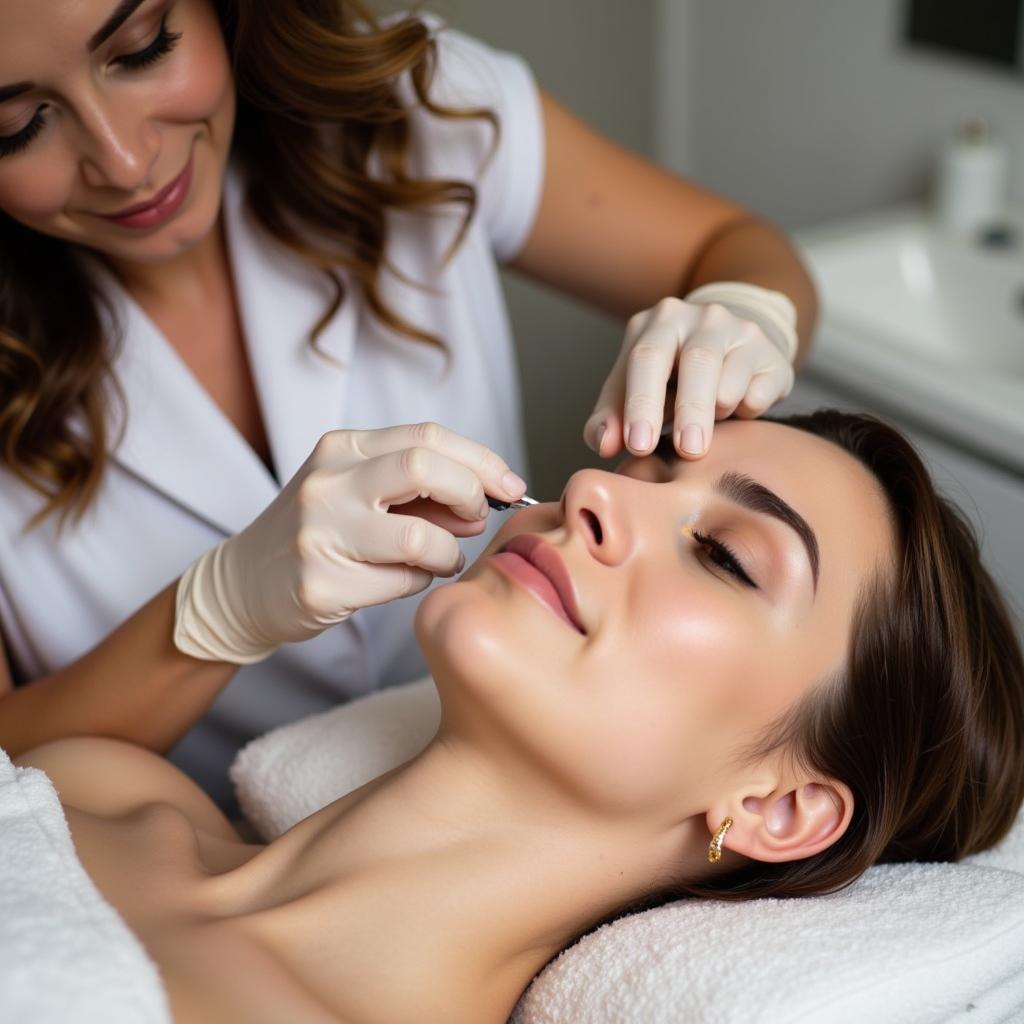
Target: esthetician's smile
160 208
537 566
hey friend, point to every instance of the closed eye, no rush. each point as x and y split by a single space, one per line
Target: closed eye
162 45
724 556
10 144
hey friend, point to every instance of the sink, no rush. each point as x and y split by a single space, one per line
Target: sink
903 281
927 325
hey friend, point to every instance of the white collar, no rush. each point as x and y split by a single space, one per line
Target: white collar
176 438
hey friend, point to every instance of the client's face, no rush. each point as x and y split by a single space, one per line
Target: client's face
681 656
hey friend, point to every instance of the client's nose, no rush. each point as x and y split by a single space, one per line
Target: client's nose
595 506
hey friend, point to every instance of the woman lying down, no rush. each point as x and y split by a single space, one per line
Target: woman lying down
753 675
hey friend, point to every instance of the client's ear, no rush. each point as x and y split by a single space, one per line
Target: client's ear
788 823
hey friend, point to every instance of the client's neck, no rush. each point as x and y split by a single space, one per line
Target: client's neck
449 870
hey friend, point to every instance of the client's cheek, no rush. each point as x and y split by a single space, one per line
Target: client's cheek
685 618
691 648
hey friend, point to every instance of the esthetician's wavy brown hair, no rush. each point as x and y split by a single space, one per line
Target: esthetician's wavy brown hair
925 723
316 97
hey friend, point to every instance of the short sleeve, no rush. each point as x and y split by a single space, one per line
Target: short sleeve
470 74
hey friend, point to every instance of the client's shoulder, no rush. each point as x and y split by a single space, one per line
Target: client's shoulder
112 777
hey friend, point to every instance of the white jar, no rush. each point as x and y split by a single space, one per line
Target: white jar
972 181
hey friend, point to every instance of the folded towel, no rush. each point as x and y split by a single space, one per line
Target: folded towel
65 953
907 944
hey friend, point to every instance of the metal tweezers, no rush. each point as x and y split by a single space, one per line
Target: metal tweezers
500 506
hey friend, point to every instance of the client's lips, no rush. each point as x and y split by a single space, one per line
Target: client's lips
545 575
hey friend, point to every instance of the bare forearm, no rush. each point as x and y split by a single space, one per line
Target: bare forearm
752 250
134 685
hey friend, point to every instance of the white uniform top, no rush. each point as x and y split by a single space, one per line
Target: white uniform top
183 477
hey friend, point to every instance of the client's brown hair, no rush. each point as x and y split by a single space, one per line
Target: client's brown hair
925 724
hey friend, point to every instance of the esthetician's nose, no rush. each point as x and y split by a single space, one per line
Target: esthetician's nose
119 147
595 506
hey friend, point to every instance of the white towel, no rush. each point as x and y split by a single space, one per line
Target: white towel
292 771
65 953
908 944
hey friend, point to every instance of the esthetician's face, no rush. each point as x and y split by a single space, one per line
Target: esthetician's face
99 132
680 661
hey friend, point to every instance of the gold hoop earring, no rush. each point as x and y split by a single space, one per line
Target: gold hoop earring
715 848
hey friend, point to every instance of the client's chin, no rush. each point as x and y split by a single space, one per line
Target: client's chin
463 630
495 676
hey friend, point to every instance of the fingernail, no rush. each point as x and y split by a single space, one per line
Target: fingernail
597 435
693 439
482 514
640 434
462 563
513 484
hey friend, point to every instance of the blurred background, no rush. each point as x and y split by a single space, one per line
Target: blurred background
887 135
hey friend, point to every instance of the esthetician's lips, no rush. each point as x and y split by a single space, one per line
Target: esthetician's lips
162 206
535 564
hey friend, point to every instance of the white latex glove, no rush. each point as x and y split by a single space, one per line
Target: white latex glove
729 345
327 544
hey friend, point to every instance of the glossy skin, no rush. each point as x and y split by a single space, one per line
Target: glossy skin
570 771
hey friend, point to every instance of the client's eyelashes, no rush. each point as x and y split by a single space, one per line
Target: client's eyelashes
726 558
723 555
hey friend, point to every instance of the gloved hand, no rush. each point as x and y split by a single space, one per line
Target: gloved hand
730 347
327 544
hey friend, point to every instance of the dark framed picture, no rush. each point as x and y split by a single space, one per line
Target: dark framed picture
980 30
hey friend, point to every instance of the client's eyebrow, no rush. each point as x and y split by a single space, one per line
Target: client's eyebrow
744 490
124 10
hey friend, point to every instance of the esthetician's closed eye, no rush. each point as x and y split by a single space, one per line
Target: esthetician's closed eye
161 46
158 49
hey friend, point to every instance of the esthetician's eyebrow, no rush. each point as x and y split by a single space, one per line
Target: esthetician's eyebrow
8 92
746 491
122 13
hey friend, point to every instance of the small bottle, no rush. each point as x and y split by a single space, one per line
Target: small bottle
971 190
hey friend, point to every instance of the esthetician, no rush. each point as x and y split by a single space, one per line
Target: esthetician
239 243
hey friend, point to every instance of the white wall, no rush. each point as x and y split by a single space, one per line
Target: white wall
675 78
808 110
